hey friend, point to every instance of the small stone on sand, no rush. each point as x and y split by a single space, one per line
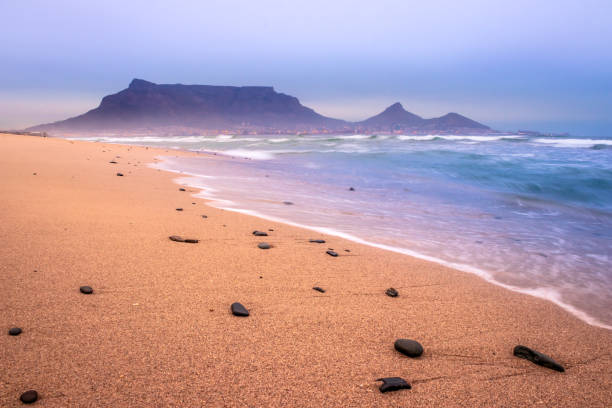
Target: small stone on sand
179 209
392 292
351 189
181 189
317 241
393 384
239 310
318 289
264 245
204 216
86 290
537 358
192 241
120 174
287 203
410 348
260 233
176 238
112 162
14 331
331 253
29 397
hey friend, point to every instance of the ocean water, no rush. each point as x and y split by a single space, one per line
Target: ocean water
533 214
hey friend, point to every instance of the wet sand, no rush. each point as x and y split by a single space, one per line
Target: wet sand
158 331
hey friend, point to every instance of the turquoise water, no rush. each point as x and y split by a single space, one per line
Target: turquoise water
533 214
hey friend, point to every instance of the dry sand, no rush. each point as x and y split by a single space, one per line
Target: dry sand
158 332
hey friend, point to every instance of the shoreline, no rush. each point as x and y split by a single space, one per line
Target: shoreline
545 293
160 310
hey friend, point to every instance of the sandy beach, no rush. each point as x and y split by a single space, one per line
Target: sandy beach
158 331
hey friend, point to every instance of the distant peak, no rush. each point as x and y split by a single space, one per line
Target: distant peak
395 107
140 83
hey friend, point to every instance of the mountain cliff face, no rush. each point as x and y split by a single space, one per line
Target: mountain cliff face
145 105
180 109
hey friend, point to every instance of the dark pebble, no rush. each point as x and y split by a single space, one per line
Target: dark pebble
15 331
271 230
393 384
260 233
204 216
317 241
351 189
239 310
181 189
331 253
318 289
537 358
179 209
29 397
34 174
264 245
120 174
86 290
287 203
112 162
392 292
347 250
192 241
176 238
410 348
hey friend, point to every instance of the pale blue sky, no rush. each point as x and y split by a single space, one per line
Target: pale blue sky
510 64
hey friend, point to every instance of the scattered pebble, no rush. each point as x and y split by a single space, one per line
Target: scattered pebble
264 245
182 189
331 253
271 230
392 292
318 289
393 384
120 174
410 348
112 162
239 310
192 241
260 233
317 241
287 203
29 397
176 238
204 216
351 189
347 250
179 209
34 174
14 331
86 290
537 358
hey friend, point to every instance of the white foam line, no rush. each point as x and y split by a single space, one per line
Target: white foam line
549 294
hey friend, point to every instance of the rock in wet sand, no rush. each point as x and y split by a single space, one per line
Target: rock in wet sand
318 289
264 245
392 292
317 241
260 233
120 174
331 253
86 290
537 358
410 348
29 397
239 310
179 209
14 331
393 384
182 189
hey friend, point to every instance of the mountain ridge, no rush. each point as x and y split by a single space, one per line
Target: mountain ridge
176 108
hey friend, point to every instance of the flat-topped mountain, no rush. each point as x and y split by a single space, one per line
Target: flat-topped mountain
145 107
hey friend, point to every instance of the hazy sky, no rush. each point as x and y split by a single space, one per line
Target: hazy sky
510 64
